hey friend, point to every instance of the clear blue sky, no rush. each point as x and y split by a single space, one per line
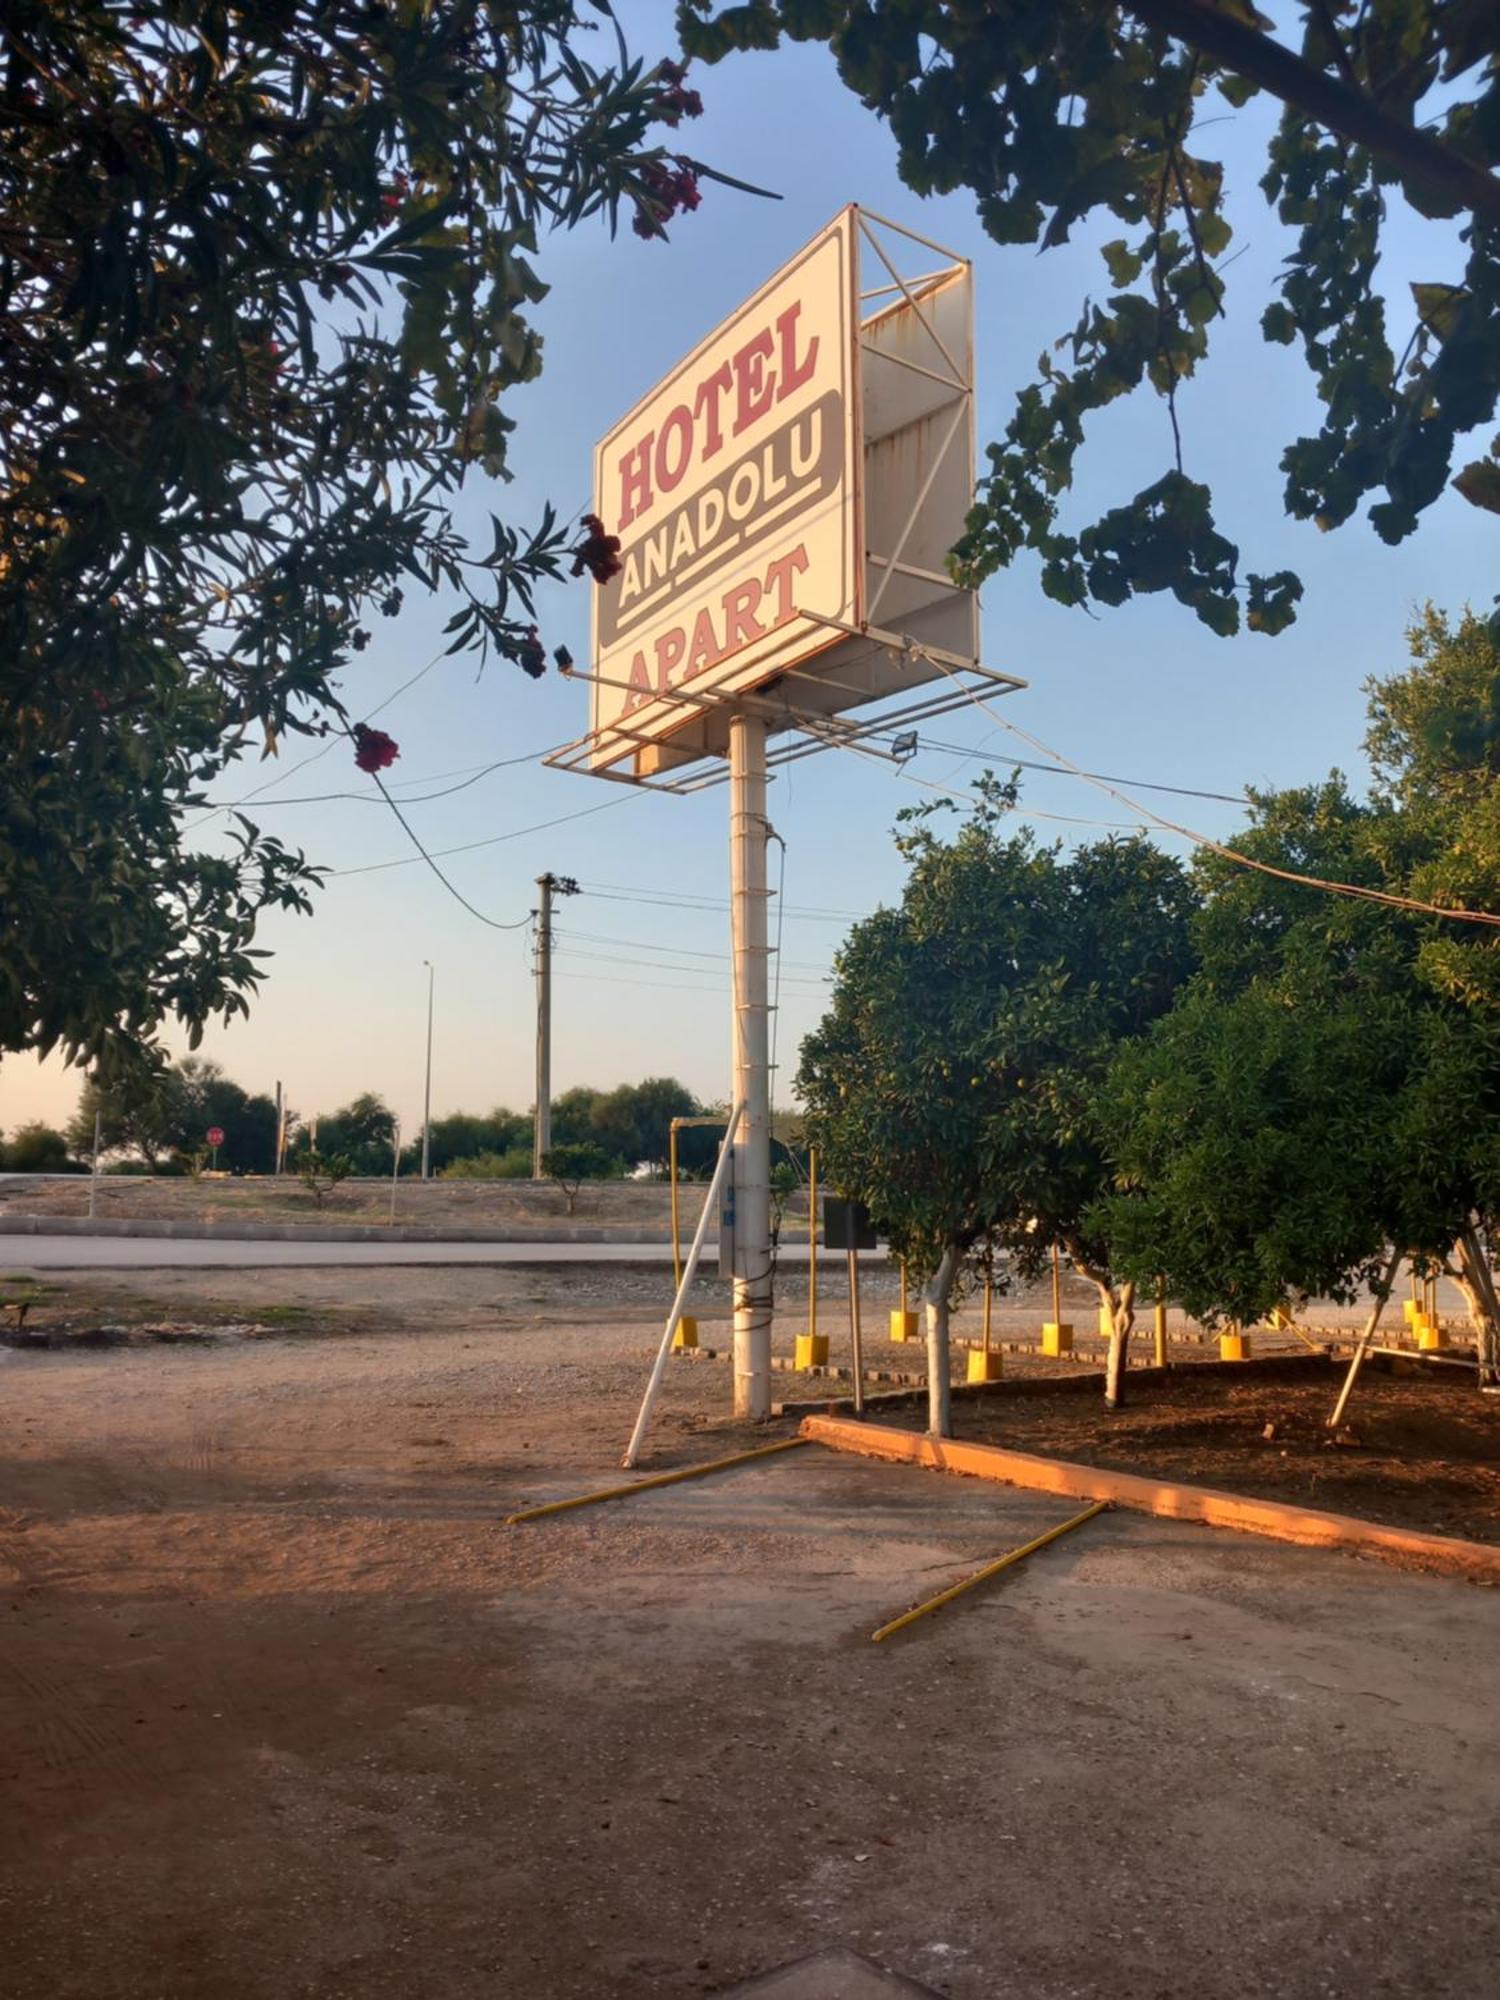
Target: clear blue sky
1146 691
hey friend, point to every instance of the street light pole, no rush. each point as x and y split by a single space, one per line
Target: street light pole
427 1093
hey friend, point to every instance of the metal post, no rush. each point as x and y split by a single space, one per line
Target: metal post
751 1167
1382 1293
855 1340
541 1141
427 1093
684 1286
395 1162
989 1297
280 1130
1056 1286
1161 1323
812 1240
94 1171
672 1175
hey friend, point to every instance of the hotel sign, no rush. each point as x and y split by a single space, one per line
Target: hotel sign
733 490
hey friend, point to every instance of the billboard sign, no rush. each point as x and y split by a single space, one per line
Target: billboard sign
731 487
785 501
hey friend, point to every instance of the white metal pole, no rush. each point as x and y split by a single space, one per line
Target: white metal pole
685 1285
1362 1345
94 1172
427 1092
395 1162
542 1130
748 839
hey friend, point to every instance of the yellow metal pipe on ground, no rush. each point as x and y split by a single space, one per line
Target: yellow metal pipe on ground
656 1479
990 1569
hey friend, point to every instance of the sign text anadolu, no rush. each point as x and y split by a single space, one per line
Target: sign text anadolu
732 489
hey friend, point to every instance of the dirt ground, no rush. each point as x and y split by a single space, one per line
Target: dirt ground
288 1711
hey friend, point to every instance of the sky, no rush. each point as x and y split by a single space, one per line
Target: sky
641 973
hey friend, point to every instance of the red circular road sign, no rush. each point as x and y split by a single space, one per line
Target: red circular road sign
215 1135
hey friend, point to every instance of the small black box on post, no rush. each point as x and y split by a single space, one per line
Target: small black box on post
847 1225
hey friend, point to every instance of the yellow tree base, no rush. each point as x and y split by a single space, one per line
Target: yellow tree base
1057 1339
904 1325
985 1367
687 1332
1234 1347
812 1350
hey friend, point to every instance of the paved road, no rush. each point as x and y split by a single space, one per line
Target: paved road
136 1253
107 1253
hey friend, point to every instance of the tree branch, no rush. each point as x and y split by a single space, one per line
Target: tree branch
1326 100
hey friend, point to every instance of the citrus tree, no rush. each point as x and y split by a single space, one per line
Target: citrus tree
950 1086
1327 1090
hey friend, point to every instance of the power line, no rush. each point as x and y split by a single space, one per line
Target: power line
457 894
624 892
495 840
1352 889
703 971
422 799
1140 784
678 951
292 769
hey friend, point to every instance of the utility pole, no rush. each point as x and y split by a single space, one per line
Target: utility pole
427 1093
749 836
280 1129
541 1142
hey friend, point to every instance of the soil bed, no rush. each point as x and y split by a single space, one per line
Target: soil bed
1415 1452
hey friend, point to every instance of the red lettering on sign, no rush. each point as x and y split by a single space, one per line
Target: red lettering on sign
706 405
746 612
679 424
670 646
740 622
705 648
779 578
756 390
640 684
794 372
635 480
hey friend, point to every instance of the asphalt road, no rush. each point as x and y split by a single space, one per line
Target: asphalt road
139 1253
134 1253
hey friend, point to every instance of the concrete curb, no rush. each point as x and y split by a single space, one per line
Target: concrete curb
1274 1519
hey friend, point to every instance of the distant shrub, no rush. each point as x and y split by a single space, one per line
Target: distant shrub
571 1166
512 1165
36 1149
321 1173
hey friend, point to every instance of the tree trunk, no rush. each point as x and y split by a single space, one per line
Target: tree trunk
1122 1319
939 1393
1472 1274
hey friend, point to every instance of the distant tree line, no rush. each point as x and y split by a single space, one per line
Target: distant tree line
161 1125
